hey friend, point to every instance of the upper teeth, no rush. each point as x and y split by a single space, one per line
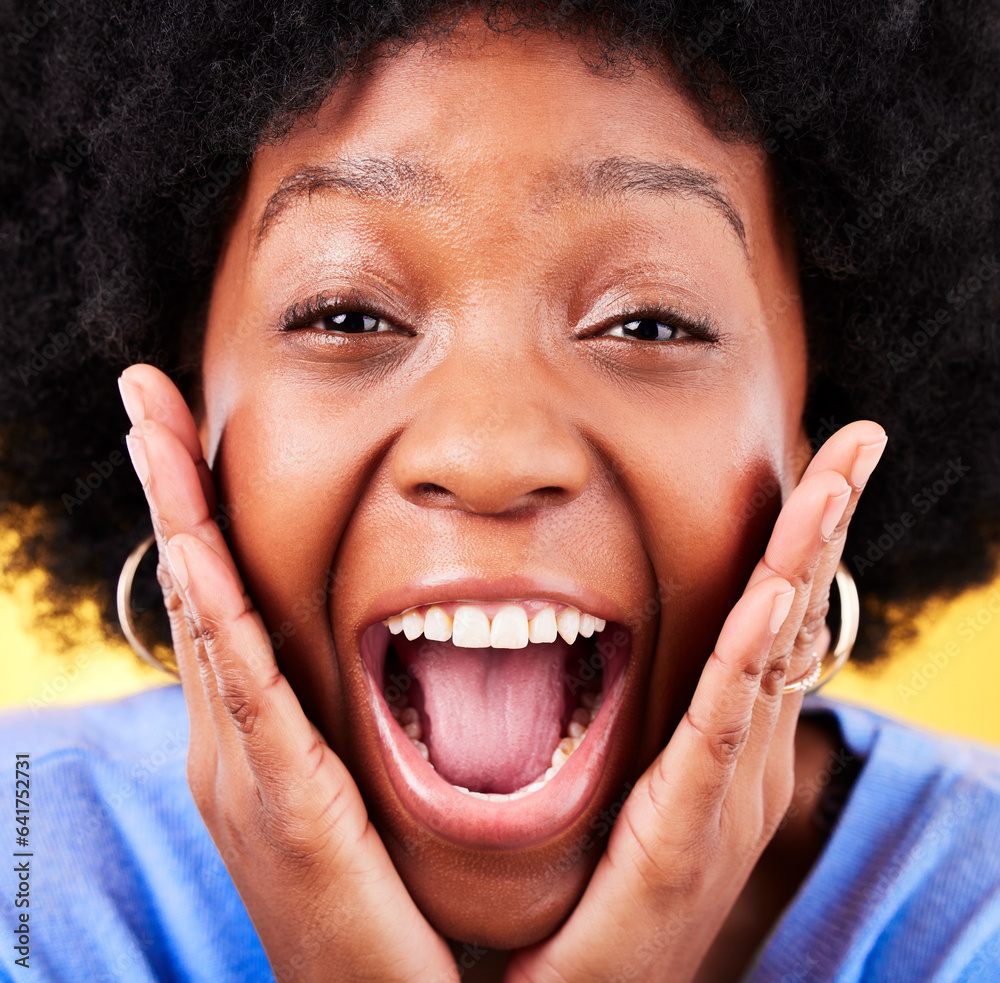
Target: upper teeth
470 627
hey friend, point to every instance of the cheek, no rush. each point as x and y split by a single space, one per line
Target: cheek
710 509
288 479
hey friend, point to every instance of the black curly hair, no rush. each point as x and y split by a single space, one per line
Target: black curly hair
126 129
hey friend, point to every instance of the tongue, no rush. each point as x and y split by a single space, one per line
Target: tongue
491 717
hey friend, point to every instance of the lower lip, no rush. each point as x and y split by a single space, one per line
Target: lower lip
481 823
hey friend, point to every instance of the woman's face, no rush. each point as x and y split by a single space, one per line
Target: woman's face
496 328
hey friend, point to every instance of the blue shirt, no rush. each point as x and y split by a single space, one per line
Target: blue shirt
126 885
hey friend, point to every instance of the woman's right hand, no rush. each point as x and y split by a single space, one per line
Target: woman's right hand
284 812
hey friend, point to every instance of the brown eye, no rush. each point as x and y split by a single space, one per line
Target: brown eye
645 329
352 322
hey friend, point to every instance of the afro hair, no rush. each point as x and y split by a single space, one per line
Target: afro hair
127 128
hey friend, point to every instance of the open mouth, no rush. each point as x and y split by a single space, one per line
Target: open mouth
495 718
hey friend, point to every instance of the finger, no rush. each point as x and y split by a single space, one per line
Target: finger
176 501
286 755
699 760
198 695
807 519
148 393
174 489
852 453
178 505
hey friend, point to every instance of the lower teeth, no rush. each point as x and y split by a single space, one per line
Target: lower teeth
583 716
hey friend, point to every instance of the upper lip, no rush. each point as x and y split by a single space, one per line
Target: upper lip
545 586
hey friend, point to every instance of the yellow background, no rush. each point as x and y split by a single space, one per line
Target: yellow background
947 679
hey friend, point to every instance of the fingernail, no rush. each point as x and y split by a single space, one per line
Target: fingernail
865 459
137 451
833 513
133 400
178 568
780 607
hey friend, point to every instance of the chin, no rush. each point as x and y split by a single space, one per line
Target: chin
494 728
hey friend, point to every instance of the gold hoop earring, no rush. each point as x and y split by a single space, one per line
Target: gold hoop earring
850 619
125 617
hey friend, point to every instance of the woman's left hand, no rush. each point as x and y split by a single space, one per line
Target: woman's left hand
698 819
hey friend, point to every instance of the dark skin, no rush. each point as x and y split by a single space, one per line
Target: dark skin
497 426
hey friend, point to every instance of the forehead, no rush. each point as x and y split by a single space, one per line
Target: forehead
523 124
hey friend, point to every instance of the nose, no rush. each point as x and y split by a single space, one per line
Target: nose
489 447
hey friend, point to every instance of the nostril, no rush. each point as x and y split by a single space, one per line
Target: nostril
429 488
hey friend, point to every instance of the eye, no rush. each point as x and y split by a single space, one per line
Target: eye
659 322
646 329
344 314
352 322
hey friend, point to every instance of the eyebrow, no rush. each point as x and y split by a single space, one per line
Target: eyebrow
625 176
404 181
367 178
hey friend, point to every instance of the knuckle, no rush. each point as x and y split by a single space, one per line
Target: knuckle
200 635
204 630
315 759
173 603
812 628
301 840
726 747
243 711
774 677
725 740
799 581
